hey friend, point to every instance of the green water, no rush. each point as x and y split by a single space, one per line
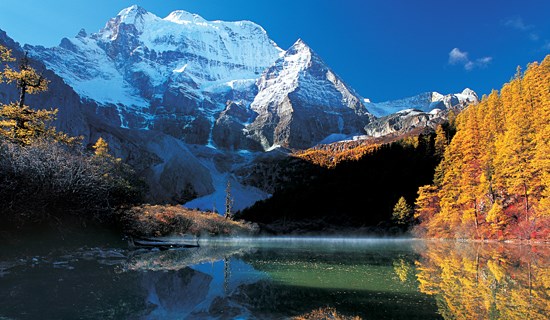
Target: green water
96 276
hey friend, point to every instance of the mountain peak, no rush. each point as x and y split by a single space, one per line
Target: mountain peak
131 12
469 92
134 15
82 33
300 55
299 46
436 96
300 41
183 17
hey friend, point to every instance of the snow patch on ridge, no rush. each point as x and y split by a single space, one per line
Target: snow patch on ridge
243 196
182 69
85 66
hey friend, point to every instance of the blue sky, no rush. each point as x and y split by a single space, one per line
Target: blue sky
384 49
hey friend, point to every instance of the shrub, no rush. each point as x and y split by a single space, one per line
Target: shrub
149 220
47 178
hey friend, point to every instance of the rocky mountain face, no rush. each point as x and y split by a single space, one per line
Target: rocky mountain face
173 75
301 101
424 102
404 121
171 171
424 111
190 103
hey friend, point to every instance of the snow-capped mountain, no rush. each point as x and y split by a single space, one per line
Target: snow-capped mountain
405 121
173 74
425 102
181 73
226 85
191 103
301 101
424 111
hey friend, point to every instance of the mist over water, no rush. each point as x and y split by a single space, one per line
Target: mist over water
306 240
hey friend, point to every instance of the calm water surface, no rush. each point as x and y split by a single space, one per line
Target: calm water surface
95 276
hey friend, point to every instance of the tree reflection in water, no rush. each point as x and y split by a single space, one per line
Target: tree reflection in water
485 280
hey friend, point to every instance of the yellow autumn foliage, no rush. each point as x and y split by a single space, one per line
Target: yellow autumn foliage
494 179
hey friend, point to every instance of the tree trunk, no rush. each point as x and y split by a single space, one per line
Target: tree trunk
226 275
475 218
526 200
22 94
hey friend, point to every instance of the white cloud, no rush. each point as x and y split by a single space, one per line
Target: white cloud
518 24
459 57
529 30
483 62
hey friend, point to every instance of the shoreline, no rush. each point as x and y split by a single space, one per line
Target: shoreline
169 220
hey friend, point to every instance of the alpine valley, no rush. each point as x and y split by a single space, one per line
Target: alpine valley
191 103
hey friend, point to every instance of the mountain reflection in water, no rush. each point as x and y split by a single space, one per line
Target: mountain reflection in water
278 279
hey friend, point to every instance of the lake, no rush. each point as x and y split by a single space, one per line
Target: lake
94 276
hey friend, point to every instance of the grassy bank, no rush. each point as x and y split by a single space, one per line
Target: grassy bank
325 313
163 220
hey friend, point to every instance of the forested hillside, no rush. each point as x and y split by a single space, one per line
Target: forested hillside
494 179
356 191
